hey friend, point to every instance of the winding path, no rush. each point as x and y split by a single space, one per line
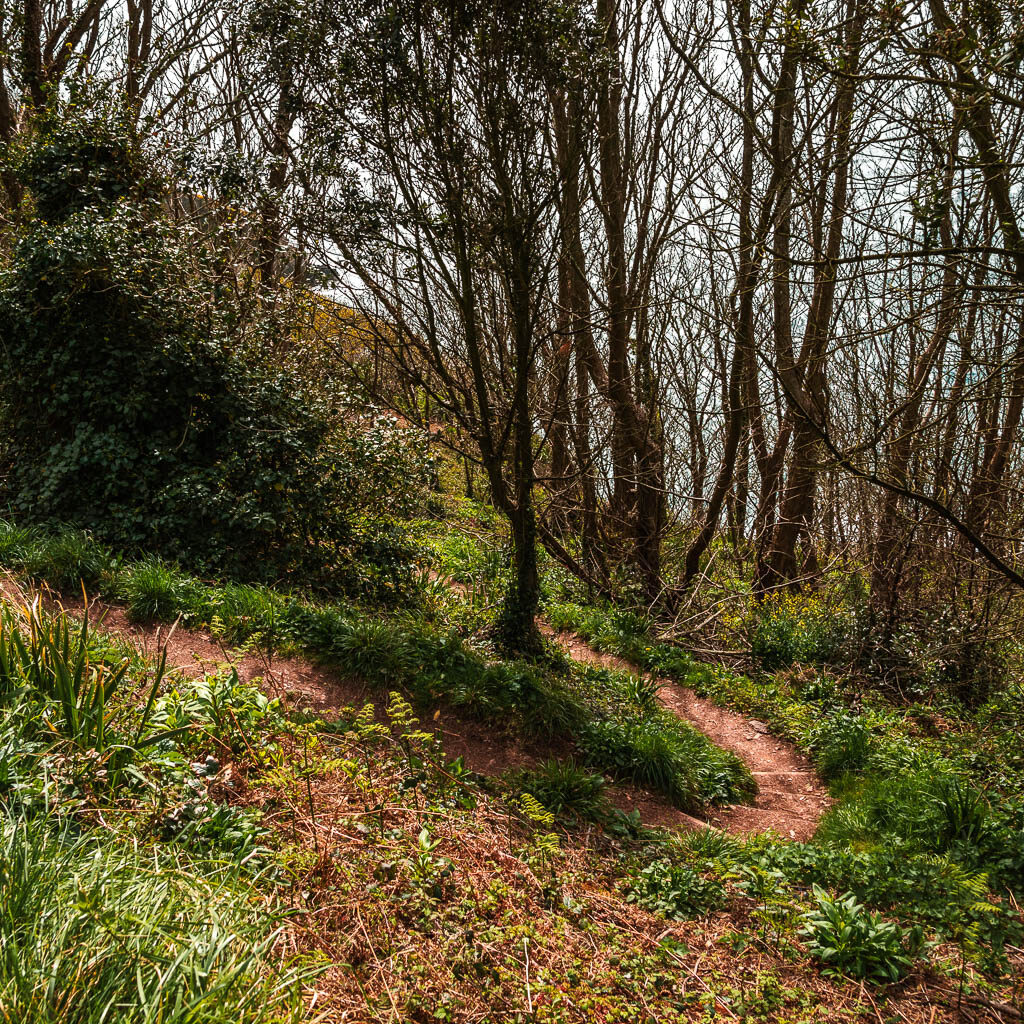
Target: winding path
791 797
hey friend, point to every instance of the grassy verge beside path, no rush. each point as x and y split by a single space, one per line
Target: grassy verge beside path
616 725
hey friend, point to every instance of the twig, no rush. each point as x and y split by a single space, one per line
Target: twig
529 997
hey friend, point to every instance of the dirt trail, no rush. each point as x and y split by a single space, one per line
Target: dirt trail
306 684
791 797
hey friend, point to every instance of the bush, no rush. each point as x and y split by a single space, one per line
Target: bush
138 406
849 940
783 628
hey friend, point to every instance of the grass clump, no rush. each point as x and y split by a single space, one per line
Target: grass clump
65 559
840 743
566 789
155 590
631 735
62 684
92 929
618 631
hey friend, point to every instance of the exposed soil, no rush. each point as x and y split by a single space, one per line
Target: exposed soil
791 798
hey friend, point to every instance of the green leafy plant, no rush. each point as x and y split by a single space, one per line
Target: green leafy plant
218 705
962 810
850 940
663 753
429 873
372 649
775 910
643 692
51 660
212 828
841 743
675 891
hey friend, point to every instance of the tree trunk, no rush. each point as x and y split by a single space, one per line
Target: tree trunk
807 389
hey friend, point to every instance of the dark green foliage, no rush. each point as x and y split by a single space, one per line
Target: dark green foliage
76 163
666 660
643 692
1002 844
617 631
675 891
372 650
71 560
903 878
205 827
954 649
137 408
938 812
662 753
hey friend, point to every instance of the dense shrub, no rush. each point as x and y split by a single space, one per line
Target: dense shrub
137 405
